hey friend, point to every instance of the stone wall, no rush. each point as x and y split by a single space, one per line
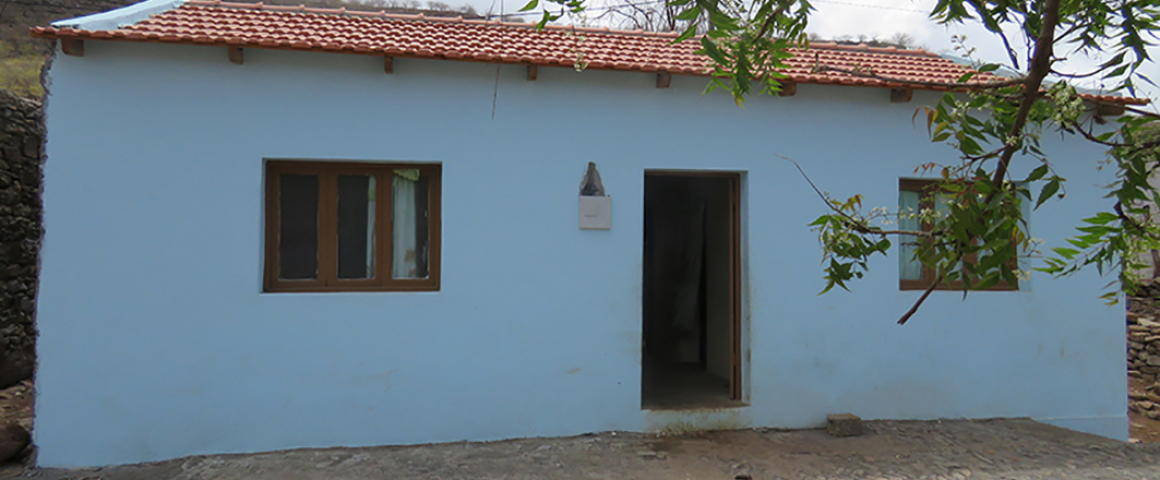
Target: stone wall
21 157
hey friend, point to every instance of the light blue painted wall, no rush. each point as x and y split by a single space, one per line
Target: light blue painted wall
156 341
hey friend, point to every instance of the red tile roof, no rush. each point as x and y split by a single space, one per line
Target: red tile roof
254 25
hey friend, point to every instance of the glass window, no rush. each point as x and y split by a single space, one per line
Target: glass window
914 195
335 226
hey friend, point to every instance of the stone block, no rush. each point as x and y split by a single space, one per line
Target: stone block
13 440
844 425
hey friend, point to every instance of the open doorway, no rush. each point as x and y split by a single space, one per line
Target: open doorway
691 295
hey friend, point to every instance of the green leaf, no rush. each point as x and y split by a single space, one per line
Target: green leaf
990 67
689 14
712 51
1047 192
544 20
531 5
687 34
1037 174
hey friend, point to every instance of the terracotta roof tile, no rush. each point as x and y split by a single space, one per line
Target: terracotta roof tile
256 25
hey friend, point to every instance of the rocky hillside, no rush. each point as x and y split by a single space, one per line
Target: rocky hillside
22 56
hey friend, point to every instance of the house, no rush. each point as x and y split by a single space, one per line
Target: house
280 227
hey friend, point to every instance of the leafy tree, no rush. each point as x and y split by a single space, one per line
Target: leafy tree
992 122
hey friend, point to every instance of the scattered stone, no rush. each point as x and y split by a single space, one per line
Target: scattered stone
844 425
13 440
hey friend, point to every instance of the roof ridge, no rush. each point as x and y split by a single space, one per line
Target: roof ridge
459 19
418 17
862 47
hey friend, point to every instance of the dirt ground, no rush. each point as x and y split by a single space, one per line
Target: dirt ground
1009 449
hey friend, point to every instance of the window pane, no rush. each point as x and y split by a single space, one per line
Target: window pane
909 268
410 225
356 226
298 227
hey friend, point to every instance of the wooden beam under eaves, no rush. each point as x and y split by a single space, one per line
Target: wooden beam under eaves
533 73
72 46
388 65
235 54
788 89
664 79
1110 110
901 95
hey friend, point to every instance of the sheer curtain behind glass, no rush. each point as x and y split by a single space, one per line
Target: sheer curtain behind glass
409 226
909 268
909 205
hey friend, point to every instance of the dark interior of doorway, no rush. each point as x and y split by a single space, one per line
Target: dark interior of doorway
689 328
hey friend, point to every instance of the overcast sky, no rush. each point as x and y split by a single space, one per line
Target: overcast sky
885 18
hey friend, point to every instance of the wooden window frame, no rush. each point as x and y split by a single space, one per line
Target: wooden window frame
926 200
328 280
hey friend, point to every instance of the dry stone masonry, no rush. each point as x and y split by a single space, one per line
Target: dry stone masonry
21 159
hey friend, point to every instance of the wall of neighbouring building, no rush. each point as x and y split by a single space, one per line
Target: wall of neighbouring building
151 292
21 141
1144 350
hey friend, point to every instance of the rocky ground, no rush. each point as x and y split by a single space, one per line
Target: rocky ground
16 407
1012 449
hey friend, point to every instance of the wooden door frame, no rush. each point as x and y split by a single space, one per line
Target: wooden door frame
736 390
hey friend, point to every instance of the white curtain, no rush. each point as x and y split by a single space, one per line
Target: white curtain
909 268
405 253
371 227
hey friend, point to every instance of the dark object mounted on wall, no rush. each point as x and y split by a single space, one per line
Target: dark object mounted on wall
595 205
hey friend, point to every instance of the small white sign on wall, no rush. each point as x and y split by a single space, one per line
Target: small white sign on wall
595 205
595 212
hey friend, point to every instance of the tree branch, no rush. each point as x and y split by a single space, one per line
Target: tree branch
914 308
1010 51
1039 67
1119 208
851 220
773 15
